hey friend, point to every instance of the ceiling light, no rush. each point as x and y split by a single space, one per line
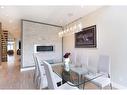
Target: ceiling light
2 7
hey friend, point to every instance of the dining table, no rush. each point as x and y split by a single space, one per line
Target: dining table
72 77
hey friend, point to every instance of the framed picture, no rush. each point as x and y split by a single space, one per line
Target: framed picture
86 38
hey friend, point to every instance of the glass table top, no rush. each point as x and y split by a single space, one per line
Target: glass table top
75 77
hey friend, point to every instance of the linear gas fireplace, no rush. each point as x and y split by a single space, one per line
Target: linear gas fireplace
43 48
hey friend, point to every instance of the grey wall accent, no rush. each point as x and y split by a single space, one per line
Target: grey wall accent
40 34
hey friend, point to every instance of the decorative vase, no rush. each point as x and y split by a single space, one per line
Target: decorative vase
66 64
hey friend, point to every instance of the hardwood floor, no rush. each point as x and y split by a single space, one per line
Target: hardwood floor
12 78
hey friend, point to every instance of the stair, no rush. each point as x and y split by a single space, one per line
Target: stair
4 37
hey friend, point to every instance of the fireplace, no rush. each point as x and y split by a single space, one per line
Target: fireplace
43 48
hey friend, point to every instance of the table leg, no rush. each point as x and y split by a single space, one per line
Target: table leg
78 80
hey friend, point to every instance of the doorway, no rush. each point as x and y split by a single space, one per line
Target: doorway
10 52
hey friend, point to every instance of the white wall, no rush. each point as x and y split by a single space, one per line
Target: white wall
111 25
34 33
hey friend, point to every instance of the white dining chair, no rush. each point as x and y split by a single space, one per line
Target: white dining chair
73 58
36 72
103 69
42 76
51 79
42 80
80 67
39 75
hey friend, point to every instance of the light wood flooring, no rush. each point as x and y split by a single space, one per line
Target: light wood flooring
12 78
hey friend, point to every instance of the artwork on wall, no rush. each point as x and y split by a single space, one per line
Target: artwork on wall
86 38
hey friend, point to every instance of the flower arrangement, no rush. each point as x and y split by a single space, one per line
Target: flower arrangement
66 55
67 61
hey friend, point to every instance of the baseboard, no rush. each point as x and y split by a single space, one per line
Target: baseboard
27 69
33 67
118 86
55 64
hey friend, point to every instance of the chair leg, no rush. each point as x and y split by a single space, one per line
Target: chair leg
100 87
84 86
78 80
111 85
40 86
34 77
37 82
84 83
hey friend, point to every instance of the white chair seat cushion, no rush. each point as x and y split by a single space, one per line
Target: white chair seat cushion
57 78
67 87
101 81
92 75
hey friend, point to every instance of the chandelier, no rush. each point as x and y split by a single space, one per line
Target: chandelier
69 30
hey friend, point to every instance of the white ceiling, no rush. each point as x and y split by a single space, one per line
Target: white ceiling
10 16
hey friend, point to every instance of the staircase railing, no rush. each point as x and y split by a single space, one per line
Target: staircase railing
3 47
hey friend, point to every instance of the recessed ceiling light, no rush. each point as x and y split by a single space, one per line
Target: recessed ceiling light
2 7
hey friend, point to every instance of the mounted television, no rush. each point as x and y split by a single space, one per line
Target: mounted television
44 48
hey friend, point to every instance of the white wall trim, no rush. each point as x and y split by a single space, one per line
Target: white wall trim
27 69
118 86
32 68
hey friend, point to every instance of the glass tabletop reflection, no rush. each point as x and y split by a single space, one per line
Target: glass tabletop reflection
71 77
